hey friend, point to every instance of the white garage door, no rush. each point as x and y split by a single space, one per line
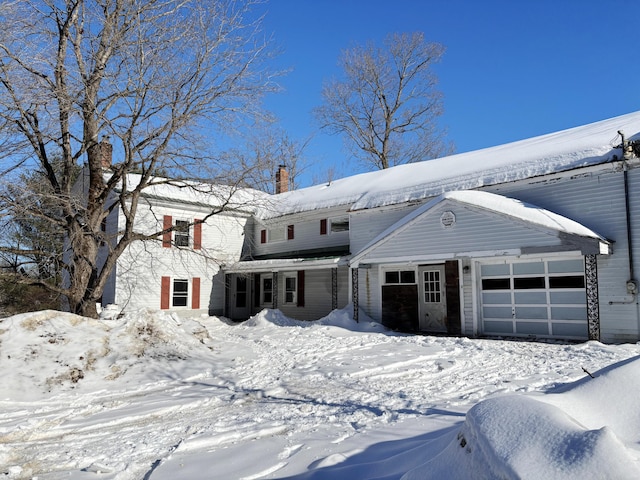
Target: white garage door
542 298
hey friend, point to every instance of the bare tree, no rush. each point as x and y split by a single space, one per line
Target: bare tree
154 76
386 106
266 149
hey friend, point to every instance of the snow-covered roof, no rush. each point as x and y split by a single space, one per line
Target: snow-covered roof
200 193
565 150
497 204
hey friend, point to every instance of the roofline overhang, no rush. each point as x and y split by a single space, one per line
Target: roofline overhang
281 265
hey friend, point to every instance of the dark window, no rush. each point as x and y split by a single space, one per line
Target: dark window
402 276
323 226
392 277
267 290
180 293
571 281
496 284
241 292
290 234
408 276
263 236
524 283
181 234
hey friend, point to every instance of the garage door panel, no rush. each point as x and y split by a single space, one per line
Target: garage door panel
522 298
569 313
532 328
532 312
570 329
497 312
499 328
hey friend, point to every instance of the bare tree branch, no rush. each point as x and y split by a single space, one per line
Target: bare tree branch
386 106
152 76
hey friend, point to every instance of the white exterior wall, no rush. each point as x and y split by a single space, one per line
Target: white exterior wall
366 225
306 233
143 264
597 201
318 294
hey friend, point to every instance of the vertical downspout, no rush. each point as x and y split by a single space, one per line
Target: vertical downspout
632 285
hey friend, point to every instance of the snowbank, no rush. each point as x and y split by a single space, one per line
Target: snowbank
155 396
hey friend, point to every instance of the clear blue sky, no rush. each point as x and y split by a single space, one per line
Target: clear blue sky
512 69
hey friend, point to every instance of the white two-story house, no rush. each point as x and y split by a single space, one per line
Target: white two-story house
538 238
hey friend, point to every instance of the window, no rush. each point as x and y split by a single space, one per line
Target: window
290 232
276 234
181 233
340 225
432 292
267 290
180 293
400 276
263 236
241 292
290 290
323 226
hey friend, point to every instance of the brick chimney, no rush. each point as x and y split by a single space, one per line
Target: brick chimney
282 179
106 152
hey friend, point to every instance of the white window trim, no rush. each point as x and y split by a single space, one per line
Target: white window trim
399 268
172 292
294 301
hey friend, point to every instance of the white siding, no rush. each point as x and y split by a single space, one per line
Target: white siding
143 264
368 224
473 231
318 294
597 201
306 233
369 292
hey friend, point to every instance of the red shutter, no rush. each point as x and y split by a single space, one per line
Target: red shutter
166 236
301 288
195 294
197 234
165 290
263 236
323 226
289 232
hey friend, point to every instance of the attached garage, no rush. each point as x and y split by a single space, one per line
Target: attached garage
535 272
537 297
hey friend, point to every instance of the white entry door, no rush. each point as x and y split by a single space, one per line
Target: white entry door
433 298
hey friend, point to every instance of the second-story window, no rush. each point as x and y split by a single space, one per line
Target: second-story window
181 233
340 224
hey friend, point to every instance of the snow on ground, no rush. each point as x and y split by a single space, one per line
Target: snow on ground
155 396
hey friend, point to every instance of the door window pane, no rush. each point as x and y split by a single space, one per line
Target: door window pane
432 292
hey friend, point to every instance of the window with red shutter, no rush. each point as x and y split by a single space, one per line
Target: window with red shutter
165 291
197 234
167 223
195 293
323 226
